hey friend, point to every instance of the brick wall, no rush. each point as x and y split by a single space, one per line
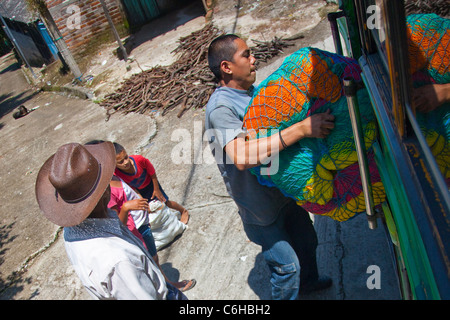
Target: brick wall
81 21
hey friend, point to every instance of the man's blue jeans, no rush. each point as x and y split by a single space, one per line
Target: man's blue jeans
288 246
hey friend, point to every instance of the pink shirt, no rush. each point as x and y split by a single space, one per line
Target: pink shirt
118 198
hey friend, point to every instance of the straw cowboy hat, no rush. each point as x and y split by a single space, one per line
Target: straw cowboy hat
72 181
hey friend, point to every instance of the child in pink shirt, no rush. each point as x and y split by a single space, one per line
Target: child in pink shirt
139 173
133 211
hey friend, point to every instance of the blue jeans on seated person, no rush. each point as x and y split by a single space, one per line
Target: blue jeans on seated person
149 240
289 248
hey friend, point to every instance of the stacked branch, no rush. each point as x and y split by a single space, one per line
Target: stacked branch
266 50
187 83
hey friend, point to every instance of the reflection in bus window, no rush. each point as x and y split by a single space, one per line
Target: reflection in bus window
429 61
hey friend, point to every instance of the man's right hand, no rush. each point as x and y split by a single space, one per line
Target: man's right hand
430 97
318 125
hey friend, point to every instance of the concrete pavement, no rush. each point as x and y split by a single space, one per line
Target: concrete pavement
26 143
214 249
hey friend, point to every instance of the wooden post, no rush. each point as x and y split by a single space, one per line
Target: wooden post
59 42
116 34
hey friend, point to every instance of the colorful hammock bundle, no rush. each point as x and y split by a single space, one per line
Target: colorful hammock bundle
323 174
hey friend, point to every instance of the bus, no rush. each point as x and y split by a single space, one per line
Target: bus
416 213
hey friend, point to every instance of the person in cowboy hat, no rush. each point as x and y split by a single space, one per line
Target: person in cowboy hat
73 191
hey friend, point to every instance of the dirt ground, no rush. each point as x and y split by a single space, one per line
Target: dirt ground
214 248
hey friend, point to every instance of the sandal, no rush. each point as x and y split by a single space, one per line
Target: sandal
187 285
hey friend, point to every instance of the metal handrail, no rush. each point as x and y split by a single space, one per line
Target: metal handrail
355 117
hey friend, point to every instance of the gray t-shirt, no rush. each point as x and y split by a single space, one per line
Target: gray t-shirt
258 204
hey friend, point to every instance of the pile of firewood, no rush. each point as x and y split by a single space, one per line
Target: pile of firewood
187 83
266 50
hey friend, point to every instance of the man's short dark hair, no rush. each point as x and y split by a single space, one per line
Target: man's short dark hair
221 49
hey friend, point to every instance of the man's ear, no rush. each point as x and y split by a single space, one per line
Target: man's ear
225 67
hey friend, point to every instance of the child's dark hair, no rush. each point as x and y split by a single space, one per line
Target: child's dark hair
118 147
94 142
